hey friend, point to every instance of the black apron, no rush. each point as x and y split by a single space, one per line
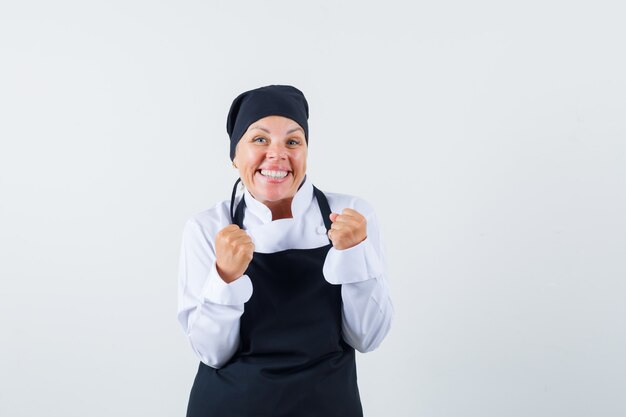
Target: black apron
292 360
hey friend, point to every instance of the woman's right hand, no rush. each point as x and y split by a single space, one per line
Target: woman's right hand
234 249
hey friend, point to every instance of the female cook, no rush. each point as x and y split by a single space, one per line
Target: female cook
279 286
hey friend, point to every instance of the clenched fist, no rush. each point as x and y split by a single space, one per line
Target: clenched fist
348 229
233 249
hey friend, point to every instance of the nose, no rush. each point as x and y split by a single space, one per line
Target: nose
276 151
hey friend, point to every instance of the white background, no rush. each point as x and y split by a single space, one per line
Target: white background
490 138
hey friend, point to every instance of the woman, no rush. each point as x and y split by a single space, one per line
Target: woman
278 287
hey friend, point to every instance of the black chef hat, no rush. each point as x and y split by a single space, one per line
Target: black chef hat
271 100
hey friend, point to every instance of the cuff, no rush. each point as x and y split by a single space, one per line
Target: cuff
217 291
356 264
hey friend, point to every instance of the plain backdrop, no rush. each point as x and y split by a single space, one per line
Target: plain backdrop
489 137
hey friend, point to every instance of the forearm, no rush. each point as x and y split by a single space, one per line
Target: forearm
211 319
367 308
367 313
213 332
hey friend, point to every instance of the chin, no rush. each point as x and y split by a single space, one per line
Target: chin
268 194
274 196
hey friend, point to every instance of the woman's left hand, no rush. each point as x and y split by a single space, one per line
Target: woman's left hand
348 229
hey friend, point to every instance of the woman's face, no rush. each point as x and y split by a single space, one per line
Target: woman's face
271 158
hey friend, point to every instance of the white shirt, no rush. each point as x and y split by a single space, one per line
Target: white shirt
209 309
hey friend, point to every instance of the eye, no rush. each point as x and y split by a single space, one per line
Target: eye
293 142
259 139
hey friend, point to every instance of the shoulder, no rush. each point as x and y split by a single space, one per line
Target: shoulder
206 223
339 201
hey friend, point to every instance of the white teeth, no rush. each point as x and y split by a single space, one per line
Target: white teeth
273 174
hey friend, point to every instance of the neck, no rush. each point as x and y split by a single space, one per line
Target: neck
280 209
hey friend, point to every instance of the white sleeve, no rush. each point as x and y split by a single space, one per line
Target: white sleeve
209 309
361 271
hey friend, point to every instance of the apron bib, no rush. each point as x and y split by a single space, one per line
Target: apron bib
292 360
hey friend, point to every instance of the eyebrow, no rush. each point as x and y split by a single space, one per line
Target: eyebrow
267 131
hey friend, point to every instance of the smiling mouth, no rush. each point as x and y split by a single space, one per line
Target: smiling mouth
273 174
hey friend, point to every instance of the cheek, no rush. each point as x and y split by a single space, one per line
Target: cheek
301 161
251 159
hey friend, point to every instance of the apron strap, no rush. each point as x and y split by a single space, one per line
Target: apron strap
322 202
232 201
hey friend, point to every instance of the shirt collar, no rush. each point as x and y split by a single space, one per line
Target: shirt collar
299 204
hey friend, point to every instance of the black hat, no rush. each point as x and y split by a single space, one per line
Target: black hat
271 100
